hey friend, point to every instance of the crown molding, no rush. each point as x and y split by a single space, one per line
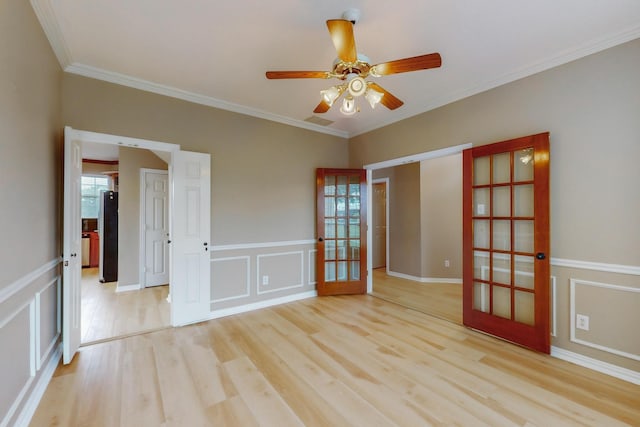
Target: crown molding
136 83
586 49
49 23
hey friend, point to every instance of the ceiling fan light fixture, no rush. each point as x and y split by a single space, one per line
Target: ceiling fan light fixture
348 106
357 86
373 96
330 95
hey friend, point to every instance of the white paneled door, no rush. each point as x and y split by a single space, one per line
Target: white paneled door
190 237
156 227
71 251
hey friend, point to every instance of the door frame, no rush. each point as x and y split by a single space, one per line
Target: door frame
83 136
384 181
433 154
143 247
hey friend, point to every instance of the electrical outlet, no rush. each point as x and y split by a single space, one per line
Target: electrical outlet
582 322
447 263
265 280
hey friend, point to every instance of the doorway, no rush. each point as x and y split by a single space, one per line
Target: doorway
421 268
114 298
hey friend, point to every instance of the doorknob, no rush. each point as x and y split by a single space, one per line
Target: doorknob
540 255
320 239
206 248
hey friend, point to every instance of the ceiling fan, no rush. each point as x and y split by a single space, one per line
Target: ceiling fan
353 69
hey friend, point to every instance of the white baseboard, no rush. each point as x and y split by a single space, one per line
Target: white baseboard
261 304
128 288
597 365
33 400
425 279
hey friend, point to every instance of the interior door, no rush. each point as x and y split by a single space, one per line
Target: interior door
341 262
72 247
156 227
190 283
506 240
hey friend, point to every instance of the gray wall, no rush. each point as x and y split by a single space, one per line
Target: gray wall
31 188
591 108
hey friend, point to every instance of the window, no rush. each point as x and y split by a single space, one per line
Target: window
91 187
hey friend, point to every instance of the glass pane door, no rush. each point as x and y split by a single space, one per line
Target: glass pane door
506 233
341 217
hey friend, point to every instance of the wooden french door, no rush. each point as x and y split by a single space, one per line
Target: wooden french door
506 240
341 262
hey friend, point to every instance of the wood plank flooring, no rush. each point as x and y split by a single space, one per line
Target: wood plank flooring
329 361
107 314
443 300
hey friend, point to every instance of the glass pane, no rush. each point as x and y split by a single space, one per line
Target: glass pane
355 270
481 265
502 302
481 297
354 206
481 202
342 249
342 228
342 270
523 200
501 168
523 236
354 185
502 268
523 165
342 186
329 250
341 206
481 171
524 271
329 185
501 201
480 233
354 228
501 235
329 228
329 272
524 307
329 206
354 249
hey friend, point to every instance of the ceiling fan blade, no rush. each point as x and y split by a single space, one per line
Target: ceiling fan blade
422 62
388 100
323 107
341 32
297 75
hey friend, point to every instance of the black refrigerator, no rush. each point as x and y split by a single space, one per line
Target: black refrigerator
108 229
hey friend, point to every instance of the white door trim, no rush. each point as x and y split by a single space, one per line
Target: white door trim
384 181
143 246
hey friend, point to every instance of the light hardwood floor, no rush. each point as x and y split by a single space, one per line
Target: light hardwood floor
329 361
107 314
443 300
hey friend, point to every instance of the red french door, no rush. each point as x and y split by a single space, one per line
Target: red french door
506 240
341 262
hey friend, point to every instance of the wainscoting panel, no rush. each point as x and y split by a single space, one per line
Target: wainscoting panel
230 278
280 271
48 320
614 316
313 253
16 360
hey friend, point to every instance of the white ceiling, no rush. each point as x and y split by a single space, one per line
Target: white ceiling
216 52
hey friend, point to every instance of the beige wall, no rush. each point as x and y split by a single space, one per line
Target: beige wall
404 218
591 108
441 217
131 161
31 188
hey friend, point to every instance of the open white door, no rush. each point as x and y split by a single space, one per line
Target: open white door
155 227
190 234
71 272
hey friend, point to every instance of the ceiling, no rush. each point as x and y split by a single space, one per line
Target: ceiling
216 52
